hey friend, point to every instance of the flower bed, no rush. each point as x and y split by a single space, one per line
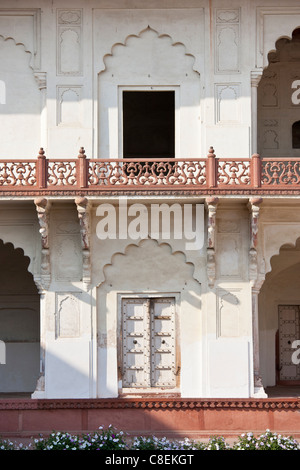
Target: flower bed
114 440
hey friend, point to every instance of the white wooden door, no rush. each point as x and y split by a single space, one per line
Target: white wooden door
288 333
163 343
136 342
149 342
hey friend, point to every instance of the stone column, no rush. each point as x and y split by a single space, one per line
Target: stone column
256 283
255 79
211 204
41 79
42 209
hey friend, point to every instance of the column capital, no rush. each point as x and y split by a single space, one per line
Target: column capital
256 76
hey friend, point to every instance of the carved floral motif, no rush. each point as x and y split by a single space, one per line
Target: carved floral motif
211 175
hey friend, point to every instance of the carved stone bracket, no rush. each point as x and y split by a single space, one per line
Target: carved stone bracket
83 210
42 208
256 76
211 204
41 80
254 208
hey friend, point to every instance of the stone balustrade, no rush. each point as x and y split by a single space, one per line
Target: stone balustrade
207 175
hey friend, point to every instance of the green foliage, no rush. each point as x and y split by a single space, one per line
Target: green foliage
155 443
217 443
105 439
111 439
58 441
6 445
266 441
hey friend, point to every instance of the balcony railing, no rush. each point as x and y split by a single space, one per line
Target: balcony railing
203 175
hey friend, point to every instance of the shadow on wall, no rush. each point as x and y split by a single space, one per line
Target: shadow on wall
19 321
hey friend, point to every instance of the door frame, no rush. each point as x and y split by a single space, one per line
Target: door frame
277 346
123 392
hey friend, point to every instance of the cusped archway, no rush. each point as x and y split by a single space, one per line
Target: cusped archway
148 62
149 297
278 105
279 317
19 323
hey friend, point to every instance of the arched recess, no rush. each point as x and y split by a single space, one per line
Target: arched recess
148 61
20 107
19 322
279 318
278 103
150 272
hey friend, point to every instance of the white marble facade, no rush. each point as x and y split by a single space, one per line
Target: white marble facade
64 66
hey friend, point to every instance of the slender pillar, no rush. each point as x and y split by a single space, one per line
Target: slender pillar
256 282
42 209
41 79
211 203
255 79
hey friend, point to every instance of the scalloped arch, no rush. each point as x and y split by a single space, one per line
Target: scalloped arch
17 262
154 242
19 44
291 245
282 41
155 34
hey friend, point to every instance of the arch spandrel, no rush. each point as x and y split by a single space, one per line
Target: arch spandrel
275 236
151 55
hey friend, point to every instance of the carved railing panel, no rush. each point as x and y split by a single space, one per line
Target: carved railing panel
233 172
61 173
17 174
206 175
280 172
165 172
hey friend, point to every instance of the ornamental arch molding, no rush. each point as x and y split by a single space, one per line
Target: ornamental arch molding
24 236
147 61
287 234
153 258
278 100
161 46
15 269
144 271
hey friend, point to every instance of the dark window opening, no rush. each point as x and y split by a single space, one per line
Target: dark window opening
148 124
296 135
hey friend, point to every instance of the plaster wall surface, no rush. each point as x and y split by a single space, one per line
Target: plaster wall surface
75 61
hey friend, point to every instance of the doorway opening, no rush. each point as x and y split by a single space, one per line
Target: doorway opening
19 323
148 124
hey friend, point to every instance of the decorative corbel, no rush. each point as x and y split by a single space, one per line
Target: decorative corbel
42 207
83 210
256 279
254 208
211 203
41 80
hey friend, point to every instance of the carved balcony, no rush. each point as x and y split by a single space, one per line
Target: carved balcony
209 175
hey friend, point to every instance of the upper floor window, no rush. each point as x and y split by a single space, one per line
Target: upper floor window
296 135
148 124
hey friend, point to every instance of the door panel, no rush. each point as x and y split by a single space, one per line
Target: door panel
148 342
136 343
288 333
163 343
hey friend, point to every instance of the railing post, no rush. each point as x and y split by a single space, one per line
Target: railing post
211 169
256 170
41 169
81 172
